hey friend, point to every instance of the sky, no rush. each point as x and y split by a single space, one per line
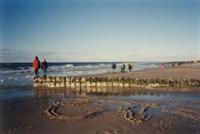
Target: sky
96 31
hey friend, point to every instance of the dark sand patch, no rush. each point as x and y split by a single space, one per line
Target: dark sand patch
100 114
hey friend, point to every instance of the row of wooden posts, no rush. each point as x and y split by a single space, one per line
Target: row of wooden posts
84 82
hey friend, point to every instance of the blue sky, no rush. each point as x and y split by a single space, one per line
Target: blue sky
100 30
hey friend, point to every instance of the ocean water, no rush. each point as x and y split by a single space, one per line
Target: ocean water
22 73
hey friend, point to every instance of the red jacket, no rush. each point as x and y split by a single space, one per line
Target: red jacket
36 64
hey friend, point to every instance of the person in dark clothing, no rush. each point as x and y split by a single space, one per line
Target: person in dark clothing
123 68
44 67
130 67
36 65
114 66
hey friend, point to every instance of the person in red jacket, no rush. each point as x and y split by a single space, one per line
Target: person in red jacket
36 65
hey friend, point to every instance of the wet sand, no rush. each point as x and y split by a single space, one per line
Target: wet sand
76 114
70 113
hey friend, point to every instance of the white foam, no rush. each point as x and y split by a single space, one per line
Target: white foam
20 70
69 65
29 76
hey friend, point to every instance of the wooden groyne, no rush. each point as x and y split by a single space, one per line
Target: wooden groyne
109 82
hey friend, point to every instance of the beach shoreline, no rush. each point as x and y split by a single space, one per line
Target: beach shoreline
167 79
137 112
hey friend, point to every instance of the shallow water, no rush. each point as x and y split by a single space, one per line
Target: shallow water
67 103
142 95
15 93
164 96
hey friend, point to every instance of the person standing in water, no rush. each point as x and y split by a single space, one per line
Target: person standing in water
44 67
130 67
123 68
114 66
36 65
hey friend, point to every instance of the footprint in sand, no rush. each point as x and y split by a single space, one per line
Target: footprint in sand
53 113
135 116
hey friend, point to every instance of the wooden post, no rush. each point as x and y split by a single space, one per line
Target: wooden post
80 83
198 82
75 83
70 82
65 82
123 81
95 80
147 81
54 81
112 82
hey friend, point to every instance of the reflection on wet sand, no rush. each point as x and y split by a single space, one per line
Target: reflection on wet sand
123 108
97 91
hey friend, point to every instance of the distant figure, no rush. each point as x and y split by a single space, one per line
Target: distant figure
44 67
123 68
130 67
162 66
114 66
36 65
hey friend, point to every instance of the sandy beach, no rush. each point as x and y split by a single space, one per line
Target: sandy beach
64 112
100 67
188 71
100 115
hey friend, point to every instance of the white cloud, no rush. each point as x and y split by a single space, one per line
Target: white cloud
14 55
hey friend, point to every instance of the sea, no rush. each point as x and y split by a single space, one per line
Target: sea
22 73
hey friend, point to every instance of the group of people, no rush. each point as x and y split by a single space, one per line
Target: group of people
37 66
123 67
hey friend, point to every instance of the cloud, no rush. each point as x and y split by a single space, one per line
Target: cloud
154 57
14 55
177 57
133 55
